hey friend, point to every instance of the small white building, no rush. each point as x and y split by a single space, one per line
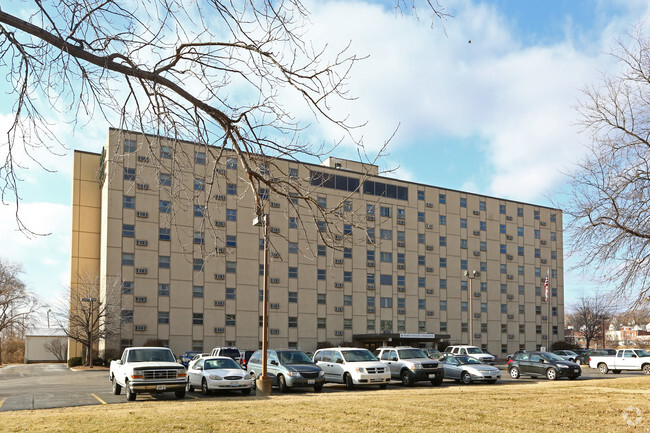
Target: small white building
35 344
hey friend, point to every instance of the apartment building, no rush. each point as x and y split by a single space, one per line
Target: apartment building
174 226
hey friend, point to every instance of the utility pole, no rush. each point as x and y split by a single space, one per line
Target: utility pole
470 295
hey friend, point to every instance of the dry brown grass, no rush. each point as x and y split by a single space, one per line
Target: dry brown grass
585 406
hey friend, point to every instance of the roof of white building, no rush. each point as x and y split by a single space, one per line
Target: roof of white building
45 332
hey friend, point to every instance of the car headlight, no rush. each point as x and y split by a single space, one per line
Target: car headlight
321 373
563 366
361 369
215 377
293 374
247 376
416 366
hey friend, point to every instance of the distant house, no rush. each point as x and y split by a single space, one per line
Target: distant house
36 340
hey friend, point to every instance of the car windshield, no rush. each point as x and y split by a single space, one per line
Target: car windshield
641 352
570 353
467 360
551 357
213 364
411 353
148 355
230 353
360 355
293 357
474 350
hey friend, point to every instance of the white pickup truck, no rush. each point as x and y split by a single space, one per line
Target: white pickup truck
148 370
625 359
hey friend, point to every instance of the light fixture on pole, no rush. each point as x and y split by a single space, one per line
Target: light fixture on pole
264 383
90 328
470 277
48 318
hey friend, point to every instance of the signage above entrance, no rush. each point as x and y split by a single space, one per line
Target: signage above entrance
419 336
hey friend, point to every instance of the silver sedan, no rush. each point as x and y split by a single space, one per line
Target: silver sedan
466 369
212 373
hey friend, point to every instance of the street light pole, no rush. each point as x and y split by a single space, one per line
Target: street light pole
90 329
48 318
264 383
470 294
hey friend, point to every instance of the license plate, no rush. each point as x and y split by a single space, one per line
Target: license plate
161 387
311 382
432 376
576 370
234 384
377 379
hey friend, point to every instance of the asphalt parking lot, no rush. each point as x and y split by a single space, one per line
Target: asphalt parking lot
42 386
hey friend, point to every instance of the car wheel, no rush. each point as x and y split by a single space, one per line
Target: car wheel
514 373
204 387
318 388
602 367
180 394
491 381
466 378
117 389
246 391
282 384
551 374
189 387
616 371
130 395
646 369
349 384
407 378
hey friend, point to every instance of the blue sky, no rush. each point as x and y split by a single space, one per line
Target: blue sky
495 116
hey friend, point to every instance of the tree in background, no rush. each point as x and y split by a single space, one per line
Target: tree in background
87 315
58 348
591 316
608 205
17 304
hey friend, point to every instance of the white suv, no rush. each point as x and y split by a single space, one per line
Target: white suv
411 365
473 352
352 366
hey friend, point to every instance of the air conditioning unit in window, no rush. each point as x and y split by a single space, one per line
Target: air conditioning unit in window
544 337
429 270
542 242
141 242
370 263
143 186
429 204
274 331
477 253
509 237
429 313
219 330
477 294
401 244
275 230
401 289
338 261
142 158
510 277
338 333
544 261
476 212
220 250
370 310
220 197
509 256
370 217
274 280
338 237
338 309
219 303
511 316
142 214
429 247
141 271
219 276
401 311
428 226
511 296
220 223
429 291
141 299
477 315
544 317
542 223
477 232
221 170
275 204
511 336
338 285
401 266
508 218
274 306
370 287
400 222
140 327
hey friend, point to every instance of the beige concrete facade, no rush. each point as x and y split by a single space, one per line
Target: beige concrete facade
408 281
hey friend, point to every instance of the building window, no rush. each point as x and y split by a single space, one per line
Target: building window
502 209
386 234
165 179
422 326
322 201
347 299
128 202
199 158
443 220
347 253
321 274
163 317
386 279
463 223
420 195
443 326
483 266
293 297
231 293
231 188
463 285
504 308
421 217
483 286
538 253
536 214
199 238
321 250
520 270
370 209
322 226
483 307
199 185
463 306
231 241
321 323
231 214
442 198
293 247
463 243
293 272
127 316
163 262
538 272
231 267
421 238
165 152
163 289
386 257
463 264
481 205
522 309
165 206
520 211
502 229
129 173
401 236
293 322
370 278
520 231
482 226
463 202
197 291
553 236
386 302
231 163
443 262
503 269
536 234
129 146
443 305
443 241
128 230
321 298
386 211
483 246
230 320
520 289
199 210
127 287
127 259
197 318
401 280
504 288
370 301
197 264
164 234
347 276
293 222
421 260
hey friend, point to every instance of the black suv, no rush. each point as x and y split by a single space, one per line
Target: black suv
547 364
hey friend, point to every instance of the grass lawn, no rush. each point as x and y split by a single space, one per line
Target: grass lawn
525 406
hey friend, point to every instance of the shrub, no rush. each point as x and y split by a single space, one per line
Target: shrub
75 361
